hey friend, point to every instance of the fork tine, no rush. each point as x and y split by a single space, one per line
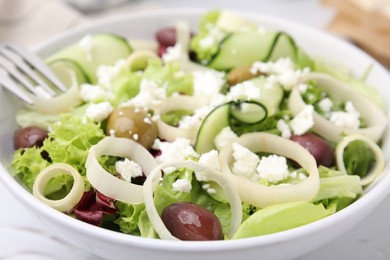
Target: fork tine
9 84
20 64
36 63
11 69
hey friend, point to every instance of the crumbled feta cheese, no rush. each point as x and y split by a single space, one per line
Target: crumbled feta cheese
182 185
273 168
210 159
169 170
207 187
128 169
112 132
325 104
135 137
302 88
99 112
207 83
244 91
178 150
194 120
106 74
224 137
207 42
90 93
281 71
245 162
149 96
86 45
348 118
173 53
147 120
284 129
303 121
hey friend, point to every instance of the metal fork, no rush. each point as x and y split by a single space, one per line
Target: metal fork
24 74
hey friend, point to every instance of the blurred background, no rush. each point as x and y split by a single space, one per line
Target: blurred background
366 23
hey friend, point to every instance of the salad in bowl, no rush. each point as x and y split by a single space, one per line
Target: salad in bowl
226 131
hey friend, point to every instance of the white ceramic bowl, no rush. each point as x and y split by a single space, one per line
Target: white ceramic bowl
283 245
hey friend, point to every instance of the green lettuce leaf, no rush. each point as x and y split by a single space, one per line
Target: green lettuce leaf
358 158
69 141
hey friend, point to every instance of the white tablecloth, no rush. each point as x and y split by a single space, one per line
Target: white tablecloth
23 236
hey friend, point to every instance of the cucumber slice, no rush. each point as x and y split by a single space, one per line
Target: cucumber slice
283 46
212 125
245 47
63 69
248 112
271 95
105 49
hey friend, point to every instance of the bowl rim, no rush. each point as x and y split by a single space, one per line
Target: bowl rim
374 196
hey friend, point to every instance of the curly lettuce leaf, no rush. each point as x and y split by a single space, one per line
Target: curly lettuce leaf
68 142
129 215
358 158
169 76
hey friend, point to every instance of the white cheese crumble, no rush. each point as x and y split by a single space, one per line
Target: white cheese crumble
178 150
244 91
207 187
182 185
99 112
90 93
325 104
149 96
281 71
86 45
207 83
273 168
210 159
128 169
245 162
207 42
348 118
284 129
173 53
225 137
106 74
303 121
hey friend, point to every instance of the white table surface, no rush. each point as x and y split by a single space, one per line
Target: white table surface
24 236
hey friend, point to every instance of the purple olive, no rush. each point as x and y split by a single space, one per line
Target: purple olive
166 36
318 147
189 221
29 136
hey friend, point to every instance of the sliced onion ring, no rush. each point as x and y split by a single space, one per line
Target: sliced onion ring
61 103
261 195
339 91
204 173
74 195
182 102
139 56
108 184
380 160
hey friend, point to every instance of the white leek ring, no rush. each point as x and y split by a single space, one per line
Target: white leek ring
139 44
108 184
374 116
202 173
380 160
139 56
59 104
74 195
261 195
182 102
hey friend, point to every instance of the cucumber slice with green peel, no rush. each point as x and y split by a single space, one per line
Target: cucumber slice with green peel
270 96
248 112
63 69
246 47
212 125
221 116
101 49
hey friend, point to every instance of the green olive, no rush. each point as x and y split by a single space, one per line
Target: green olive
131 123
